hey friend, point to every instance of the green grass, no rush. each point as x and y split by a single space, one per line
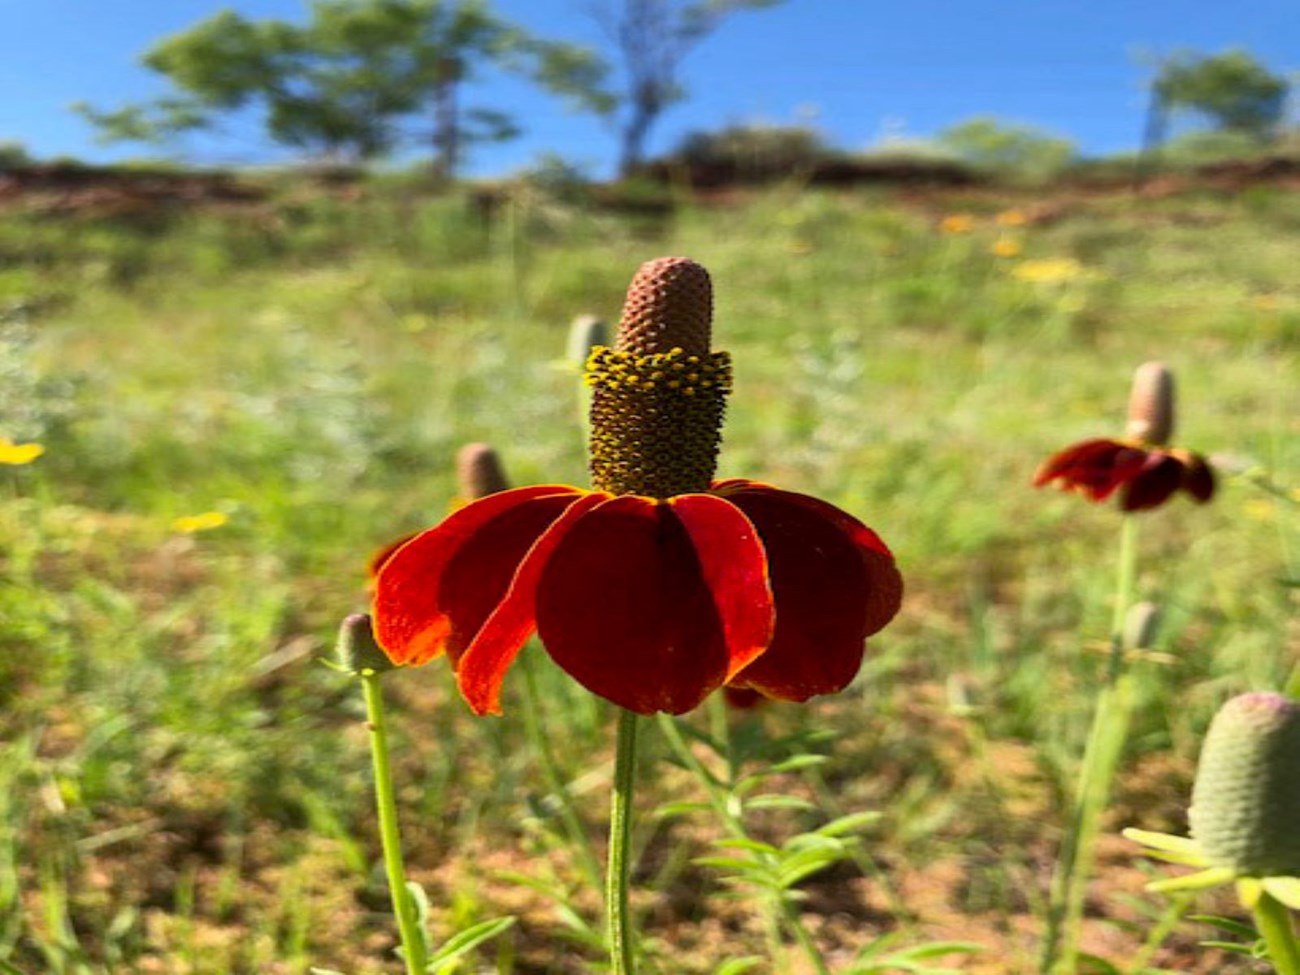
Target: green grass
182 789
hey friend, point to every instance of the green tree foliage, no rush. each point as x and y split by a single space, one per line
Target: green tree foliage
756 151
651 38
1019 150
348 84
1233 90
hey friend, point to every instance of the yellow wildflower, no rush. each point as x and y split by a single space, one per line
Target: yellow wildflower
1006 247
189 524
957 223
1259 509
19 453
1052 270
1012 218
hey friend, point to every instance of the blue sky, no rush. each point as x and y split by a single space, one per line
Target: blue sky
858 69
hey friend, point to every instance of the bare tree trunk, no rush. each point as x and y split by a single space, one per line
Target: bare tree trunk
446 122
1153 138
632 152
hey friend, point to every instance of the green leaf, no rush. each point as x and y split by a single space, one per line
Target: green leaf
735 966
1164 842
745 843
1232 946
1227 924
1096 965
671 810
8 969
796 762
848 824
772 800
466 941
1201 880
937 949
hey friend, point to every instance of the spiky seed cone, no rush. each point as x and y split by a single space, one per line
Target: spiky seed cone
585 333
659 396
479 471
669 305
1245 812
1151 404
356 649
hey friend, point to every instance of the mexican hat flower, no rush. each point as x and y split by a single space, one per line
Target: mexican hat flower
1141 467
660 584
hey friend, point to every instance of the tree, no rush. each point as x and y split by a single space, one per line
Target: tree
1233 90
1021 150
652 37
346 85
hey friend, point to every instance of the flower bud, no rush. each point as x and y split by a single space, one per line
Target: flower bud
356 650
1151 405
585 333
479 471
1141 624
1245 812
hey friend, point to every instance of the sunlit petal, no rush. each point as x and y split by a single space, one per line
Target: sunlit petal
434 592
483 665
734 567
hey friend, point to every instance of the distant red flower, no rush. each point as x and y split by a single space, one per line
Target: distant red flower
1144 471
652 604
661 585
1145 477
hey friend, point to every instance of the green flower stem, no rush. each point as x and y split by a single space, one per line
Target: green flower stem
780 912
1178 905
1100 762
408 922
622 947
537 738
1274 924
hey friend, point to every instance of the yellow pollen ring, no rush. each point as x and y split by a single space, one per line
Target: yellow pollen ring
655 429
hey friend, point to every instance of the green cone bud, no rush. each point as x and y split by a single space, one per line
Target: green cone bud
356 649
1245 811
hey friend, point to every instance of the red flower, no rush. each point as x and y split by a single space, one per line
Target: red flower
1145 476
1141 467
661 585
652 604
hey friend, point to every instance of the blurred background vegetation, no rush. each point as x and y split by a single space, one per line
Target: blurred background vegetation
243 383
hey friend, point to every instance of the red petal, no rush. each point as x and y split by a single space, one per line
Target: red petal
1152 486
734 566
383 554
435 591
624 607
1094 467
1199 480
483 665
834 582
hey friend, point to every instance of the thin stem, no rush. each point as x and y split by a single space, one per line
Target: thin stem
622 947
1274 924
408 923
1100 762
1178 905
782 912
1125 576
537 737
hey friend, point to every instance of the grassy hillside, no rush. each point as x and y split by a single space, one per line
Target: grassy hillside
183 788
